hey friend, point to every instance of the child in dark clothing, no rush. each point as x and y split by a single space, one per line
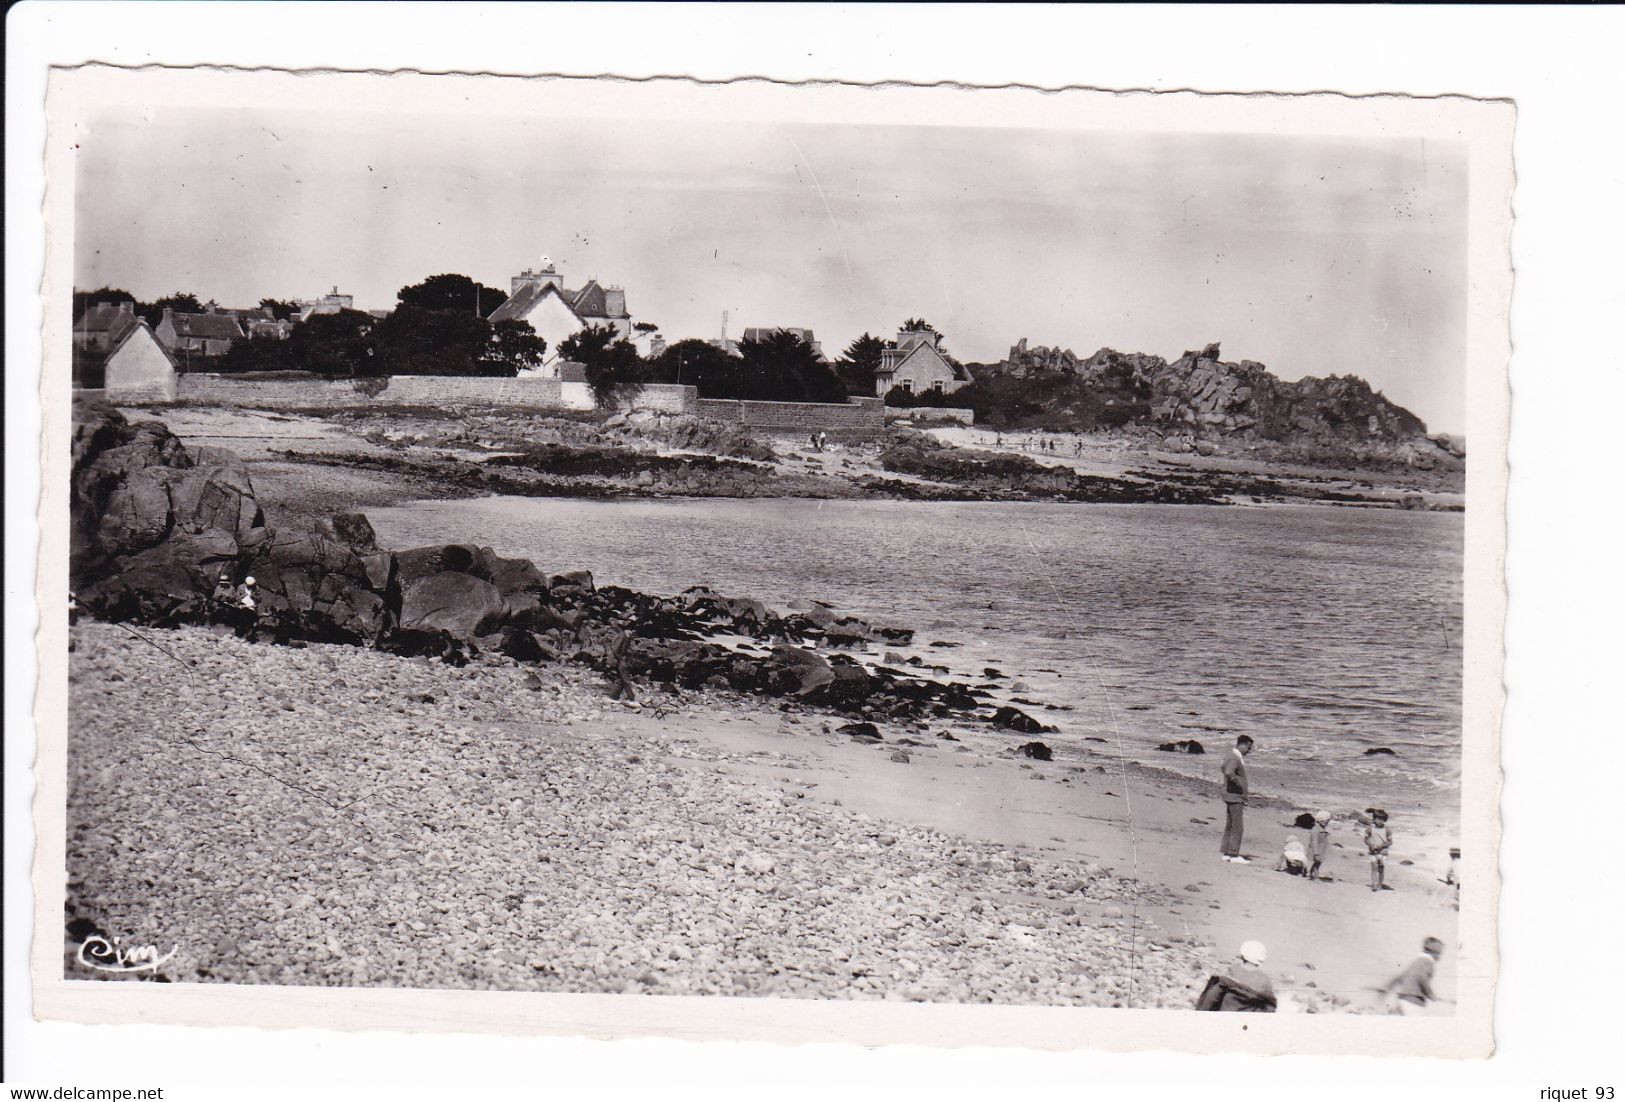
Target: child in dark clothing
1320 842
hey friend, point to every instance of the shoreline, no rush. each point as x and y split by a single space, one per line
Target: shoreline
1094 882
383 458
347 815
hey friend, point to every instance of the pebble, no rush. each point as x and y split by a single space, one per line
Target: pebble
509 837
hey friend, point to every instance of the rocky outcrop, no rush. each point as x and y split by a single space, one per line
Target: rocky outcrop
1200 397
135 486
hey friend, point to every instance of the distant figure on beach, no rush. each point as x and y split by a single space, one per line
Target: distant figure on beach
1246 987
1235 798
1412 990
813 437
73 609
1320 843
1077 448
1378 840
823 440
246 598
1452 875
1293 859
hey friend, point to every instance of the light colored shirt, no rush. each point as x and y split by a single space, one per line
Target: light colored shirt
1415 983
1235 777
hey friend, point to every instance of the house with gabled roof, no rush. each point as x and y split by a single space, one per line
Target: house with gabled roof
556 313
209 334
115 351
917 362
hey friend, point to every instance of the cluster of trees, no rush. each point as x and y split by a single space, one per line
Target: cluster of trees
780 367
438 327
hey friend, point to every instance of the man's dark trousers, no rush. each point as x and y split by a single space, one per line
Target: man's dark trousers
1231 845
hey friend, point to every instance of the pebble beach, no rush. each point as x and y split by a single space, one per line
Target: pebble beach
328 815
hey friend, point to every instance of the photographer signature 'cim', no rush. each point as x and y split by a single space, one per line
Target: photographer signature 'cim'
106 955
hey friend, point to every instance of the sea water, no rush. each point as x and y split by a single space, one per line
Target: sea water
1323 632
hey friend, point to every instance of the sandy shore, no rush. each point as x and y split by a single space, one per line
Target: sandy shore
329 815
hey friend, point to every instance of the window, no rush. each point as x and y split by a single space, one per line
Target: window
907 385
937 386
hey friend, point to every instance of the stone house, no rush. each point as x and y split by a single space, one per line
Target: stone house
917 363
330 303
115 351
198 334
556 313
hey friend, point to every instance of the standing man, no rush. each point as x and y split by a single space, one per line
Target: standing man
1235 798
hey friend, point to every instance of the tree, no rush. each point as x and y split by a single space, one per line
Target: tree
102 296
514 345
699 364
612 364
280 309
859 363
415 341
258 356
784 368
340 345
455 293
436 331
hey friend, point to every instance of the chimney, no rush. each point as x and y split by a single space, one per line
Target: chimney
126 307
615 302
169 315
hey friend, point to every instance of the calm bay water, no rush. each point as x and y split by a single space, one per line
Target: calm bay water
1322 632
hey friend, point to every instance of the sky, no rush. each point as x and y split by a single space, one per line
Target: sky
1311 256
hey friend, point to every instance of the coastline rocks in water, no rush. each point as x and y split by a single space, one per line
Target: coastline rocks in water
1380 752
1183 746
1017 720
1036 750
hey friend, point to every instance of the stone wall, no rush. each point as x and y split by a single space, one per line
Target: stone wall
856 416
666 398
930 415
439 390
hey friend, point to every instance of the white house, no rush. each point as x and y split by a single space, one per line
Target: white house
556 313
116 351
917 363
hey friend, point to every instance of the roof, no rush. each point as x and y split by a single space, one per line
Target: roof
587 303
524 300
84 357
893 359
210 327
762 334
107 317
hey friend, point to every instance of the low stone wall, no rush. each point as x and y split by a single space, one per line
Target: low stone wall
665 398
930 415
437 390
859 416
